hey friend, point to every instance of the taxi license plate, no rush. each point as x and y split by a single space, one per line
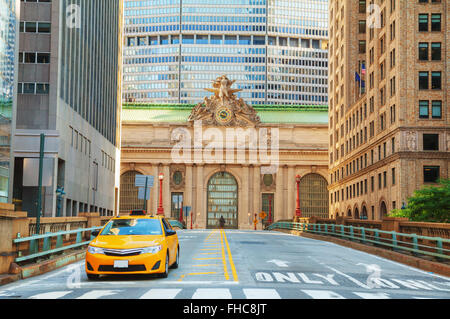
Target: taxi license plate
120 263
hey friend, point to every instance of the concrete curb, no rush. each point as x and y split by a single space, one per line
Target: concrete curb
43 267
416 262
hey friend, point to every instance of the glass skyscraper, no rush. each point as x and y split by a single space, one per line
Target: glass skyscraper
275 50
8 24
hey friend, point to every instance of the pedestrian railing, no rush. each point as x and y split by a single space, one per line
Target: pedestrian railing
417 245
41 245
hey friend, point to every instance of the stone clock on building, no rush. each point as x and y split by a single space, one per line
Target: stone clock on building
223 170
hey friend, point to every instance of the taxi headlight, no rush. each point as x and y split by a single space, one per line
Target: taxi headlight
96 250
151 249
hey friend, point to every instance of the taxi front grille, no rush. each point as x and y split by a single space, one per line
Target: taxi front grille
131 268
123 252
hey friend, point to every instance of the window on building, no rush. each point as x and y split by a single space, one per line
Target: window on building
423 109
423 22
423 51
423 80
436 51
430 174
436 111
436 22
431 142
436 81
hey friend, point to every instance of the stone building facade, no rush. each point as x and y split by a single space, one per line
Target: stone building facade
389 127
214 160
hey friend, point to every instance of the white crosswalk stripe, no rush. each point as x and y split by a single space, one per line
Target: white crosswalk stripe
96 294
323 294
212 293
367 295
261 294
51 295
161 294
206 293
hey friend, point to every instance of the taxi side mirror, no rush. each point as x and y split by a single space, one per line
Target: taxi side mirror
95 233
170 232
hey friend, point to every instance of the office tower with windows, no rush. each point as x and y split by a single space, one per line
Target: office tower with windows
9 12
388 91
69 88
275 50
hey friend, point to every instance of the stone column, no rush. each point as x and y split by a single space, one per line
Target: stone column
167 196
200 220
256 194
279 195
244 199
188 191
154 193
291 193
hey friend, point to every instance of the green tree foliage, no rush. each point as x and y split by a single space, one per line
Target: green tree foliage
429 204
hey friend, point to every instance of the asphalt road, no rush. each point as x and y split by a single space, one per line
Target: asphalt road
238 264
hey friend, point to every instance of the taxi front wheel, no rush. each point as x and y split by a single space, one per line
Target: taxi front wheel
165 274
177 261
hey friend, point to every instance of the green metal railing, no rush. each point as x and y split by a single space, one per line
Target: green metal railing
35 250
413 243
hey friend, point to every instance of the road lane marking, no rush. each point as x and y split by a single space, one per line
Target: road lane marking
206 265
323 294
230 257
378 295
210 253
161 294
261 294
224 261
96 294
206 258
212 293
51 295
210 249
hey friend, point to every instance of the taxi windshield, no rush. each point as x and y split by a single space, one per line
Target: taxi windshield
133 226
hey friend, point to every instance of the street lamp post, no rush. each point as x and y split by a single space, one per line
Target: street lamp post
160 208
298 211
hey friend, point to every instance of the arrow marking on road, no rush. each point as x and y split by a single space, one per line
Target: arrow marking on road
279 263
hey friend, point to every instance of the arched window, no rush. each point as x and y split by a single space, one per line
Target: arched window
364 213
314 196
356 213
129 193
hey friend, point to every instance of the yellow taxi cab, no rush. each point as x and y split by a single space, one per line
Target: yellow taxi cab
133 245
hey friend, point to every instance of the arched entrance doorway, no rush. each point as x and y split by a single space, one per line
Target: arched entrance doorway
314 196
383 210
222 201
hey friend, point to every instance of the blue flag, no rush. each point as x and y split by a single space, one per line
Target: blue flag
357 78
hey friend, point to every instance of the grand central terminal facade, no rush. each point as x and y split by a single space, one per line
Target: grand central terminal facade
224 158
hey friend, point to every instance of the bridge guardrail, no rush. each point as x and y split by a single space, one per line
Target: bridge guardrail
36 250
413 243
